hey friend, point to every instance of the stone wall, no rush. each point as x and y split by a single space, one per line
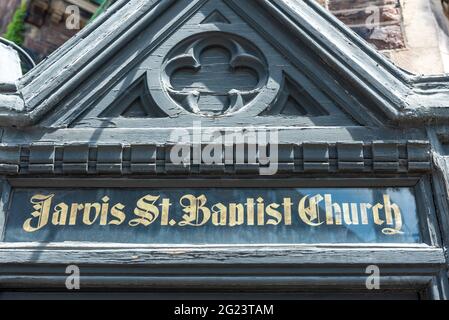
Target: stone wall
7 9
377 21
404 29
46 28
43 40
45 24
407 31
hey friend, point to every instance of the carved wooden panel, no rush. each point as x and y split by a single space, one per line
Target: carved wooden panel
217 66
214 74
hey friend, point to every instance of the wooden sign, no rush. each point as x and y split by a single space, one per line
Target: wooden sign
214 215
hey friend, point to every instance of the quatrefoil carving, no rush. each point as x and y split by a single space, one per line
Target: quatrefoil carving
214 74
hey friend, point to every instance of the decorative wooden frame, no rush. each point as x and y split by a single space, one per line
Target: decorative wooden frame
399 136
418 267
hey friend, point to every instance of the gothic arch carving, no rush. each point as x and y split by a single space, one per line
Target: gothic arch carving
214 74
216 68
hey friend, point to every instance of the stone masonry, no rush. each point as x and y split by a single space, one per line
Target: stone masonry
393 26
377 21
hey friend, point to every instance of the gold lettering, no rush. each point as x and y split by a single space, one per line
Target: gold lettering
393 218
165 210
219 214
260 212
287 211
104 210
60 215
364 207
250 211
193 206
333 211
310 214
313 210
41 205
146 211
276 216
355 213
117 212
376 215
75 207
236 214
346 214
87 210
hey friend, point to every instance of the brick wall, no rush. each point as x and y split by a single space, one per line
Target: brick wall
385 34
43 40
45 26
377 21
7 9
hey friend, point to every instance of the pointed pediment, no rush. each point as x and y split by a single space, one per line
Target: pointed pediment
222 62
136 109
215 17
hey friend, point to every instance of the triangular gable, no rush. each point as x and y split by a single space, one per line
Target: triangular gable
225 72
294 65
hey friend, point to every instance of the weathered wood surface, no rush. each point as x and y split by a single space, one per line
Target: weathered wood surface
362 99
273 268
161 135
206 181
216 283
288 255
388 91
412 157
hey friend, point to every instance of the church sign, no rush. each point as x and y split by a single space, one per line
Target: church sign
282 154
214 215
